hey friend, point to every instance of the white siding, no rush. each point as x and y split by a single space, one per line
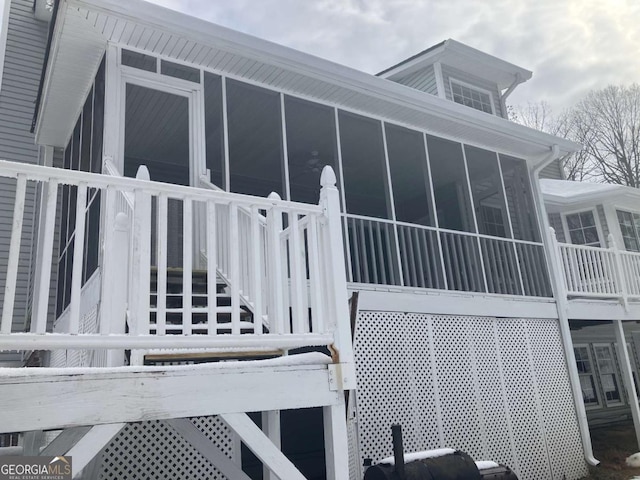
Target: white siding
552 171
26 42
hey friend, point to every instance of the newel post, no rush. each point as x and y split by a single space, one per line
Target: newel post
335 273
621 279
141 262
557 257
118 286
276 282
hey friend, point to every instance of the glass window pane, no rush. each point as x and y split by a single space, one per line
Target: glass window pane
587 219
450 189
214 128
573 222
255 140
180 71
409 175
519 199
311 144
363 162
488 197
139 60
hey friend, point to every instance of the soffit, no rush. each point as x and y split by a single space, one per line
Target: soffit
85 27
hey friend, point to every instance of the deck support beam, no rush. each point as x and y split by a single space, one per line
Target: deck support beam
91 444
271 428
336 445
270 455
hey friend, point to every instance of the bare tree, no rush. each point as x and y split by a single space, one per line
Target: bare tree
539 115
607 123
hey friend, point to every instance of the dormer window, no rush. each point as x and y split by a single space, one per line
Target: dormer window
471 96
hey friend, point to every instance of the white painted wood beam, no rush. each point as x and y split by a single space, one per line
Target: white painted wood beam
271 428
64 441
627 376
198 440
261 446
90 445
42 400
336 443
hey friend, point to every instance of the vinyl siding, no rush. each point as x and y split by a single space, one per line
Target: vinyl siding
423 80
552 171
604 225
26 42
455 74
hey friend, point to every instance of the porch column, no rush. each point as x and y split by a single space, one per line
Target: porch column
627 377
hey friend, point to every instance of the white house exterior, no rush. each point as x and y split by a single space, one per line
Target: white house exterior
381 235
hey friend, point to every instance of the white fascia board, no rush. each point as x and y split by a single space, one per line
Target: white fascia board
263 50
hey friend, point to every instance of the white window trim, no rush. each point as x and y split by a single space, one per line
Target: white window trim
594 374
619 237
615 373
473 87
596 219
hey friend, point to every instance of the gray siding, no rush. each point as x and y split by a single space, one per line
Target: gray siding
555 222
603 224
552 171
26 42
449 72
424 80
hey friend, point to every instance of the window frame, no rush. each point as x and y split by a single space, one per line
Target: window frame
596 220
615 373
470 86
636 229
595 378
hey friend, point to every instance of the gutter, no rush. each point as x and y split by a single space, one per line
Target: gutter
562 305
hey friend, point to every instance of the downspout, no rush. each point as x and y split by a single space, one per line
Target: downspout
503 97
562 306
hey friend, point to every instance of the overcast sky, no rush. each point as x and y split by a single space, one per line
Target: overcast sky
572 46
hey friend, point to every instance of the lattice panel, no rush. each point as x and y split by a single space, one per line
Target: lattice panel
146 450
560 422
457 385
528 435
496 388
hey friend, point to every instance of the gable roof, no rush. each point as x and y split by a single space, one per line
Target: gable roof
84 28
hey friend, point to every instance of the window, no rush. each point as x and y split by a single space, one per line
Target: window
630 230
607 372
585 372
582 229
471 97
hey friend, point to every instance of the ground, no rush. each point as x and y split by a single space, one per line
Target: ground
612 445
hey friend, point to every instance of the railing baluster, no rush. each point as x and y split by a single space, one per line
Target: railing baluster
392 270
300 324
256 257
356 251
39 324
212 273
413 275
78 257
14 256
420 270
187 266
234 269
363 247
317 301
372 249
383 268
161 276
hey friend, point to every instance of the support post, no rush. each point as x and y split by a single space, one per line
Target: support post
338 308
271 428
141 257
620 276
275 283
91 444
627 377
119 252
336 444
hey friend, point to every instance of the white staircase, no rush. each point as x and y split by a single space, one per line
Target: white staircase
279 285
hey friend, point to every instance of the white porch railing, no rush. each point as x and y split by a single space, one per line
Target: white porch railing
294 277
594 272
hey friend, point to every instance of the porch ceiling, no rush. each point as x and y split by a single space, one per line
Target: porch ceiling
84 28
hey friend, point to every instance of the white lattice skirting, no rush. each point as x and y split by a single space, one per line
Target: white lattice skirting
495 388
